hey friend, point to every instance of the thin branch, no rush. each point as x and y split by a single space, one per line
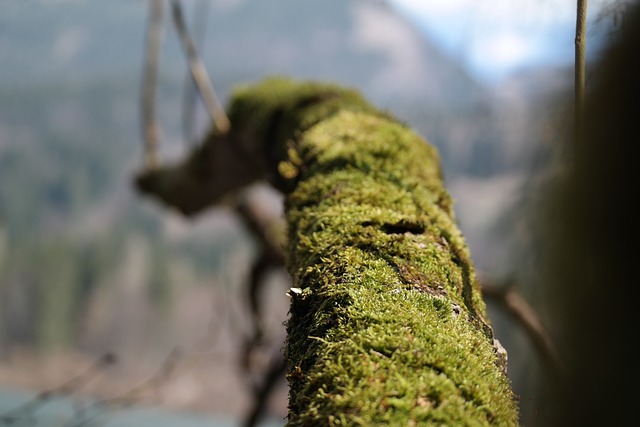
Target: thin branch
26 410
528 319
273 375
150 127
580 69
190 90
199 73
138 392
88 415
271 256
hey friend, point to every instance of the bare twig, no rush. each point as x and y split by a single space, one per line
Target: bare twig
272 376
150 127
190 90
528 319
138 392
580 67
270 256
199 73
87 415
26 410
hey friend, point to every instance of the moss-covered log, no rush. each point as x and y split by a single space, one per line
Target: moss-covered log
387 325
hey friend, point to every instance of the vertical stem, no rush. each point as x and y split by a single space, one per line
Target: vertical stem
199 73
150 128
190 90
580 48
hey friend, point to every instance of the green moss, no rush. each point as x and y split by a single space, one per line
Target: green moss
371 351
389 328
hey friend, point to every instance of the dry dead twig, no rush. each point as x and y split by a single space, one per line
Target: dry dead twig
527 317
198 72
150 127
27 410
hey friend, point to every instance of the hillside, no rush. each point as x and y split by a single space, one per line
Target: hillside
87 265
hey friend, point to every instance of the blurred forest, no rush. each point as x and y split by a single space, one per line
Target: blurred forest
88 268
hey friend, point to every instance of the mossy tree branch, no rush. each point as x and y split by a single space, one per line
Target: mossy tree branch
387 324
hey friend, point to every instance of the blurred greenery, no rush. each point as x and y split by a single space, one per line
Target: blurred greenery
76 241
67 210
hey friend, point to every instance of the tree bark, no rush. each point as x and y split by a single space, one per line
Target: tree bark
387 324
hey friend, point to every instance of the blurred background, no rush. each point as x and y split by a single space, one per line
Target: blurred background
147 309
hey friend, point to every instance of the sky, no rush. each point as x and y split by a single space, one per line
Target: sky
497 37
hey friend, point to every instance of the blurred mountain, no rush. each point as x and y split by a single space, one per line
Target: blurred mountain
355 42
100 45
85 263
